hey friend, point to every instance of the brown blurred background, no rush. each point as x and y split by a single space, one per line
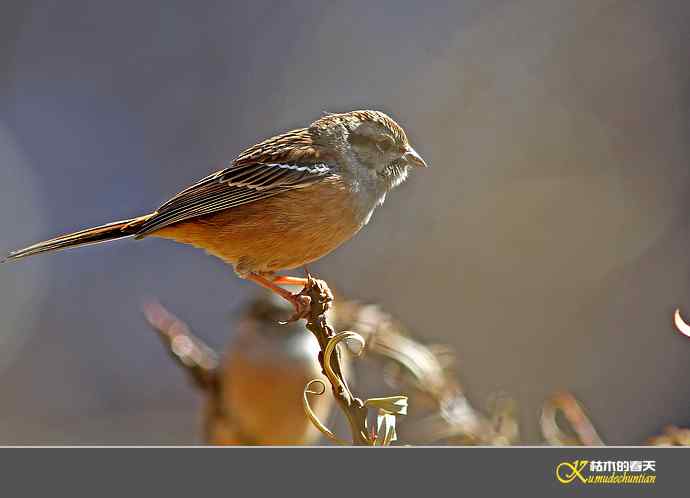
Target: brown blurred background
548 243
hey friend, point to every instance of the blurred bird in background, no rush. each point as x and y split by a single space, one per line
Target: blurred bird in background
253 394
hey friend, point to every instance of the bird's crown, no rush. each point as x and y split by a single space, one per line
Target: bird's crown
354 119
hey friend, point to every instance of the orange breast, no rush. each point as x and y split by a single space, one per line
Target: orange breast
285 231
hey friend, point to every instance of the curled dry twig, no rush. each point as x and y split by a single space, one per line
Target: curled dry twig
565 403
312 415
427 370
355 409
681 325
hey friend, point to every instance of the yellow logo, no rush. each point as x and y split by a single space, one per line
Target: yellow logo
566 472
607 472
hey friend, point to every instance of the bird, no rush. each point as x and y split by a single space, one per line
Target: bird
281 204
253 391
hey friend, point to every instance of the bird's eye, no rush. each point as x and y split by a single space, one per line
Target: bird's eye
385 143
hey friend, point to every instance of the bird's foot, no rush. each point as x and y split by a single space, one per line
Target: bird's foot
302 306
301 301
313 288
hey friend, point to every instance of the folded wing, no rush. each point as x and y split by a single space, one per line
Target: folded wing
282 163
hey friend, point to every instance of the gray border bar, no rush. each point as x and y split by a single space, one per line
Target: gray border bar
246 471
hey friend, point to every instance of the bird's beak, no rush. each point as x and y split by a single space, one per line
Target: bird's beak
413 158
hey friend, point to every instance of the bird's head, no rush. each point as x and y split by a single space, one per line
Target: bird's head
372 142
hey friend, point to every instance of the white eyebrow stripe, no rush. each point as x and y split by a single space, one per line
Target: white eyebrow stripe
312 168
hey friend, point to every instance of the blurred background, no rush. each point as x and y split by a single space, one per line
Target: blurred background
548 244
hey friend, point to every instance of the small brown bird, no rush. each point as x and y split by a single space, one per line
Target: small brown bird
253 392
283 203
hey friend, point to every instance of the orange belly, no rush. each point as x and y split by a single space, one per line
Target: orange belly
281 232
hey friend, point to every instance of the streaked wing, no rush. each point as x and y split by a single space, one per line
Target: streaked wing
279 164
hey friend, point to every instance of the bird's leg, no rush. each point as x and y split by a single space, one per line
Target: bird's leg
303 281
299 301
288 280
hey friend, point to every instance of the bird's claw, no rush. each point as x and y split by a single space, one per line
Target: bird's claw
302 306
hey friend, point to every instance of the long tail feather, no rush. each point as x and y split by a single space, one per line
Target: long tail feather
96 235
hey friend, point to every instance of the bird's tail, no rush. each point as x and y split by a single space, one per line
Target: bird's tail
96 235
